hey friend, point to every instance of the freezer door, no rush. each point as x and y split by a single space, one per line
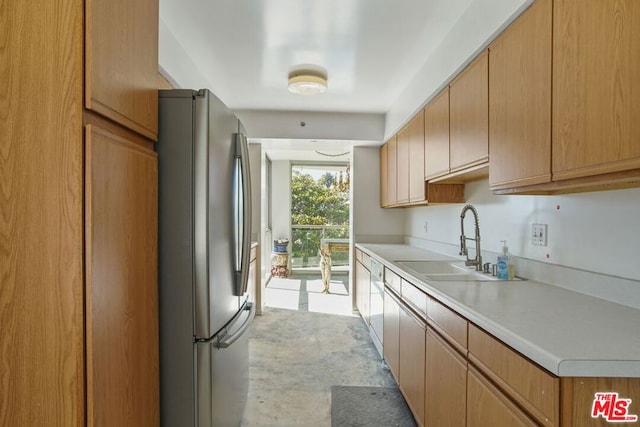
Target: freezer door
222 373
216 299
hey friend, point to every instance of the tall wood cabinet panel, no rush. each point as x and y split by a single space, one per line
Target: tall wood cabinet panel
416 158
392 170
384 176
595 87
121 57
43 317
121 282
520 101
436 136
402 171
412 361
41 232
469 115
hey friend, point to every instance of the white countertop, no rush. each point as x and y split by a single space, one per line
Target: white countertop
567 333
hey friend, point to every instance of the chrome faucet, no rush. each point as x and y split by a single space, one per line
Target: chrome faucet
477 262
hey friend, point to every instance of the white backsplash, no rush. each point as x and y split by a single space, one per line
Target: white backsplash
593 243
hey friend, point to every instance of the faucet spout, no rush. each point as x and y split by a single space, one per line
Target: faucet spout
477 261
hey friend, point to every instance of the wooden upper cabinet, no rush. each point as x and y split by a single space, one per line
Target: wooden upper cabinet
121 62
392 171
469 115
402 171
436 136
122 374
416 158
520 101
384 176
596 58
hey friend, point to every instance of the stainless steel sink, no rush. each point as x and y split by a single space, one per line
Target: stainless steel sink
435 267
446 271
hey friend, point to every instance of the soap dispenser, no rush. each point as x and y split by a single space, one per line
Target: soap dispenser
505 266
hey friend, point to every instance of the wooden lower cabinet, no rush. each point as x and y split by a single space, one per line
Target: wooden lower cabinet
488 406
121 281
412 361
363 291
391 333
578 394
445 383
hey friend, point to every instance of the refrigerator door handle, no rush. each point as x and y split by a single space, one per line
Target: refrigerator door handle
241 214
226 341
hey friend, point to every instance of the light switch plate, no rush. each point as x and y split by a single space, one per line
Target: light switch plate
539 234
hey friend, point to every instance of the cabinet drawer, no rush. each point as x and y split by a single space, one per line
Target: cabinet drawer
414 296
392 280
448 323
529 385
488 406
358 253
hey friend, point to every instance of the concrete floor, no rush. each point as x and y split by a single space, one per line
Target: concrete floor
304 343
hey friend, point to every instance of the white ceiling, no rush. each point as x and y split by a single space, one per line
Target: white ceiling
384 59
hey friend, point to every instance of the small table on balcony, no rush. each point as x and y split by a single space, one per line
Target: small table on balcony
327 246
334 245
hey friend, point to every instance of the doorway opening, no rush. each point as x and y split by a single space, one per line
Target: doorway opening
320 215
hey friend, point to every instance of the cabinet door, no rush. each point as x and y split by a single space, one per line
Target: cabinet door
436 136
487 406
520 101
392 171
121 281
363 290
445 384
416 158
121 62
469 115
391 333
595 87
41 214
412 362
384 176
402 171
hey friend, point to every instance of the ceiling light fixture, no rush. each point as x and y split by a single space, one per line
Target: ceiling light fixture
308 81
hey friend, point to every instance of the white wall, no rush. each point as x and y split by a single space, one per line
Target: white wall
281 199
371 223
477 27
597 232
255 164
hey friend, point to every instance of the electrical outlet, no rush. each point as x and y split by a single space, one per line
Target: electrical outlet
539 234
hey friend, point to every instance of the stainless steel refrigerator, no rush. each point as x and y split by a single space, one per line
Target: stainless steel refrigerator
204 244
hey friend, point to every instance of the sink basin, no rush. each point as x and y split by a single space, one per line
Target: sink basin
447 271
435 267
470 276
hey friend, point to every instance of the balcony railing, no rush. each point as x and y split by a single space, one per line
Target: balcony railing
305 243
